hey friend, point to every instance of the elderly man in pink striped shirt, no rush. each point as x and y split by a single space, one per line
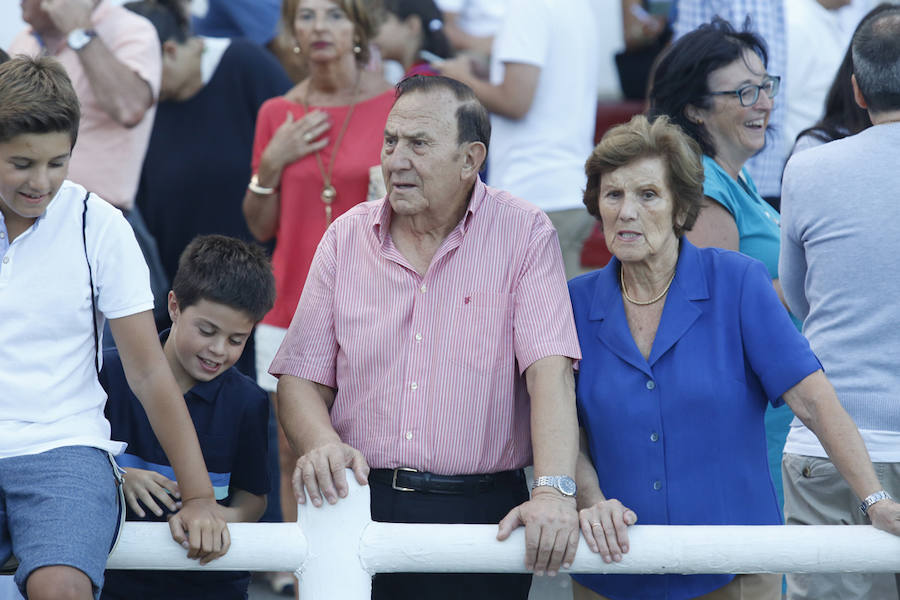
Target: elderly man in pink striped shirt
432 350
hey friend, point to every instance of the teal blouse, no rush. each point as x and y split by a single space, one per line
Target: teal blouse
758 224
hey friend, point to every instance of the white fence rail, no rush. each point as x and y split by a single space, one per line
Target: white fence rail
337 549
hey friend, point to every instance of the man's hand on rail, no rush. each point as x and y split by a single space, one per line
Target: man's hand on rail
320 472
551 530
885 515
605 528
201 529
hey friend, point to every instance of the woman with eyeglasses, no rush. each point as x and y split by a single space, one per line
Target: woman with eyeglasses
713 83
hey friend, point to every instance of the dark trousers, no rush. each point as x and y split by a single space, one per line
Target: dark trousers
391 506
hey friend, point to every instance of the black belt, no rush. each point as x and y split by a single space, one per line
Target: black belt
404 479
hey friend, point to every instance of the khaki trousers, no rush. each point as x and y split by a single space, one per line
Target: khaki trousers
816 494
755 586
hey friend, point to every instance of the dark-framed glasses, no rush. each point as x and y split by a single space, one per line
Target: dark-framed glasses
748 94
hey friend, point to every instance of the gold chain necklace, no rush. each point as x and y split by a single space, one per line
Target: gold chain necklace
644 302
328 192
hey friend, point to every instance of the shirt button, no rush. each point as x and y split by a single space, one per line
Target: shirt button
654 437
651 384
408 435
2 235
418 337
5 260
414 386
423 289
657 485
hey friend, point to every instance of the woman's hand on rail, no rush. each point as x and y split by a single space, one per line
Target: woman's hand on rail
605 528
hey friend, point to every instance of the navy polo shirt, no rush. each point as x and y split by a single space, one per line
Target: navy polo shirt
680 437
230 414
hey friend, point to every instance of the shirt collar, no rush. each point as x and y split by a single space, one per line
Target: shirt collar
381 224
689 278
207 391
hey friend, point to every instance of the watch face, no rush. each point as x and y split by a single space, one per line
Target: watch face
79 38
567 486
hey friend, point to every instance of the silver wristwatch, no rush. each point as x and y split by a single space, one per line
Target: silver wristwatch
563 483
871 499
79 38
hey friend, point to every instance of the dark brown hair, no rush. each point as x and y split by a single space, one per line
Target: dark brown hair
226 270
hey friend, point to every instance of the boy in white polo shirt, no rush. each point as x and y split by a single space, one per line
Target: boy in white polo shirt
68 260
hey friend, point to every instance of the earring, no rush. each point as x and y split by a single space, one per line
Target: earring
296 49
356 47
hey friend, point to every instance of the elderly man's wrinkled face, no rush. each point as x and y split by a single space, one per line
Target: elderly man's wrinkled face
421 159
636 207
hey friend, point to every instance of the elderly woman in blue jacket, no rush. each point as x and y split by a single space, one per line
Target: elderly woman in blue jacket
683 349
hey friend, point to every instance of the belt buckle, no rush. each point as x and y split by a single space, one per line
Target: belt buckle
394 479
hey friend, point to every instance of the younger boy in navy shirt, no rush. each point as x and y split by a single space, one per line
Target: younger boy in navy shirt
222 288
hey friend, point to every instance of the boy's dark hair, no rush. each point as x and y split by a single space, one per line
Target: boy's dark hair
228 271
168 17
3 56
36 96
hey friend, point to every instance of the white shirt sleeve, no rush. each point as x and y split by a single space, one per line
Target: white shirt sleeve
525 35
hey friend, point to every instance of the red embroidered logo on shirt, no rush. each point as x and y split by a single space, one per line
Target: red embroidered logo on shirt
467 299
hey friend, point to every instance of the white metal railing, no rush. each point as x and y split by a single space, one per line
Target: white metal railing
338 548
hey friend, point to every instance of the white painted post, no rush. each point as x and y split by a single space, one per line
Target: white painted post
333 568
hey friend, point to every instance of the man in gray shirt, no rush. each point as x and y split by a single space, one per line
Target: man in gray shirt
840 239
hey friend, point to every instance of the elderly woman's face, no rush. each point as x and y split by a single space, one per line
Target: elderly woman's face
636 207
323 30
738 132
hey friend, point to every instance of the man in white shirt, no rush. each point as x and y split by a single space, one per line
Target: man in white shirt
543 98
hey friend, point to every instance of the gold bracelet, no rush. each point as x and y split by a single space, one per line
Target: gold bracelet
254 187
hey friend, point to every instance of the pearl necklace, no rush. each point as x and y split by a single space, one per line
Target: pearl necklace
644 302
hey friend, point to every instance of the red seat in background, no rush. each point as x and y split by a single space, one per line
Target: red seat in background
594 253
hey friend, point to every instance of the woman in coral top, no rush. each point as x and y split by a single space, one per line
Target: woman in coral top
313 154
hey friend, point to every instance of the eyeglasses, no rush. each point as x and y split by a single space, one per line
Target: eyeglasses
749 94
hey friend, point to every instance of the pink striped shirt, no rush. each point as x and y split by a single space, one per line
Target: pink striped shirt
428 370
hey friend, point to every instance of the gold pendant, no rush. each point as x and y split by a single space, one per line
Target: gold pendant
328 194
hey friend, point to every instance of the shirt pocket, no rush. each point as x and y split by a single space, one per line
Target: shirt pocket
480 331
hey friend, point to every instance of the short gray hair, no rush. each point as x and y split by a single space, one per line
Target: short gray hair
876 60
